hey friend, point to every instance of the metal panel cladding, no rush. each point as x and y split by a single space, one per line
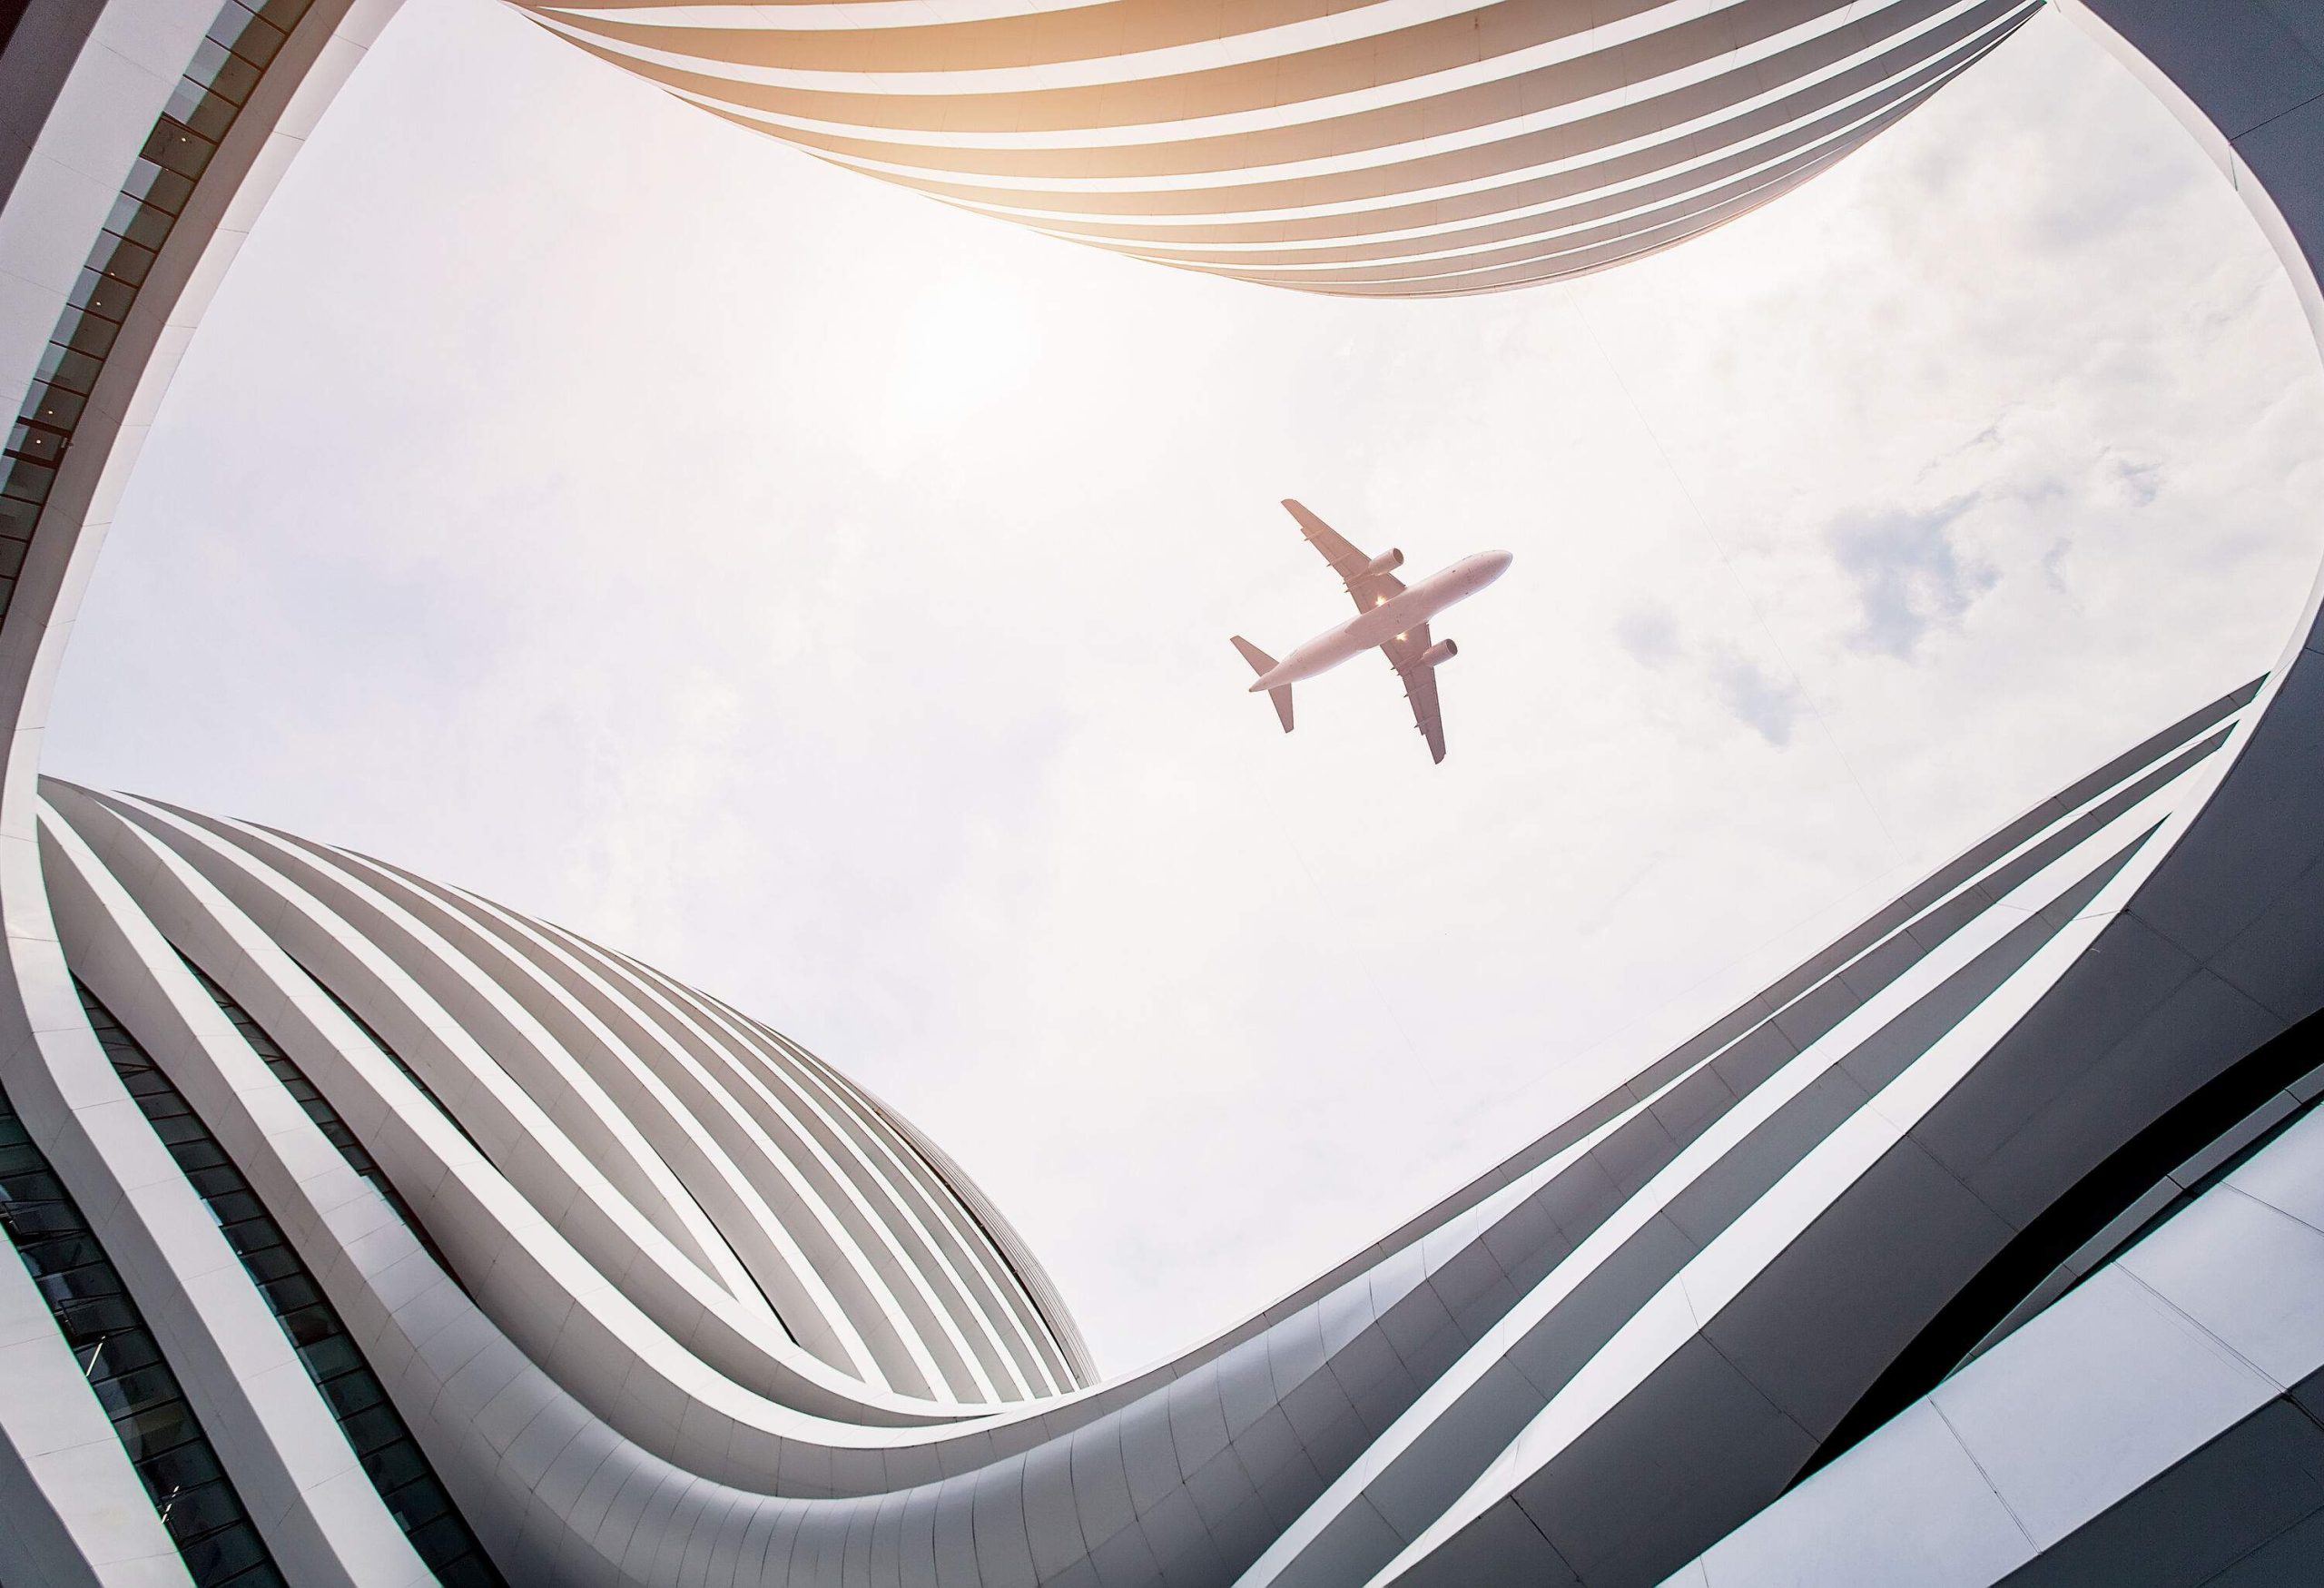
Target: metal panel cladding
1405 148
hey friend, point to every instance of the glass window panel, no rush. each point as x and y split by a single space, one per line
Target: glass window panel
224 1556
292 1291
393 1465
272 1263
440 1539
174 147
140 223
55 406
122 1353
135 1392
28 481
368 1430
119 259
61 366
184 98
465 1571
98 1314
312 1325
251 1235
60 1255
39 443
417 1503
157 1430
67 1263
234 1208
197 1512
202 1155
218 71
251 39
184 1127
33 1221
90 336
390 1456
186 1466
221 1184
162 1428
165 191
103 296
329 1357
350 1393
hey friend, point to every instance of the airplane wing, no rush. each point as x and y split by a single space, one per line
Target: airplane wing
1420 686
1368 590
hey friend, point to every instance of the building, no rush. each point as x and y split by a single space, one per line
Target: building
1370 150
370 1232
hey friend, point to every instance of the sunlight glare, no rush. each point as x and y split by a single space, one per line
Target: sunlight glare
969 341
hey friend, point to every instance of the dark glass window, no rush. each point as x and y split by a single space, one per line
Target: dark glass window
396 1060
243 40
318 1106
390 1457
158 1431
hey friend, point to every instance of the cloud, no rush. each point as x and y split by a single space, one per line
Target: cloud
2141 481
1767 705
1908 574
1649 633
2053 567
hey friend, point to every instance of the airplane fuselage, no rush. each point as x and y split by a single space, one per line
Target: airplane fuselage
1399 614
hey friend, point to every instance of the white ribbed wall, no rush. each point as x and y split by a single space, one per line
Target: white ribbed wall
1398 148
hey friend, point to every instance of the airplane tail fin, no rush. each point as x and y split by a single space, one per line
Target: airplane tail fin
1262 663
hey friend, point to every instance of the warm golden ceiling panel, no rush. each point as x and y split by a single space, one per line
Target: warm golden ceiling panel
1402 148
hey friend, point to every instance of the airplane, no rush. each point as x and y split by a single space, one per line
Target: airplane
1389 614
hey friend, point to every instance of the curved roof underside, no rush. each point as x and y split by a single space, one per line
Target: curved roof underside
1400 148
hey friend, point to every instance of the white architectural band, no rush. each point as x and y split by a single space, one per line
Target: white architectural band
1400 148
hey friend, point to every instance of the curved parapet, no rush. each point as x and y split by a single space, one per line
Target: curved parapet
1398 148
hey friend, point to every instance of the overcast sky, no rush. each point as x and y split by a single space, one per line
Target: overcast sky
824 596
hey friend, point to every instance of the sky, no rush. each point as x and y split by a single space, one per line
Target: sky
824 595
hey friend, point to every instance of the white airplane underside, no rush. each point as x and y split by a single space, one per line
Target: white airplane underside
1391 617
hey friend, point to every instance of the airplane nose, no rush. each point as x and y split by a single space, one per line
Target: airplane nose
1495 563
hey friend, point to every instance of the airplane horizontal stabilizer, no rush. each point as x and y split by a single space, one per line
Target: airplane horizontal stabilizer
1262 663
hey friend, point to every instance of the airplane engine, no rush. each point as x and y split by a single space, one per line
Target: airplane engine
1387 562
1437 655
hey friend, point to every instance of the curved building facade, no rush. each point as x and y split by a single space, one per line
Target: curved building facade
649 1285
369 1232
1400 148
